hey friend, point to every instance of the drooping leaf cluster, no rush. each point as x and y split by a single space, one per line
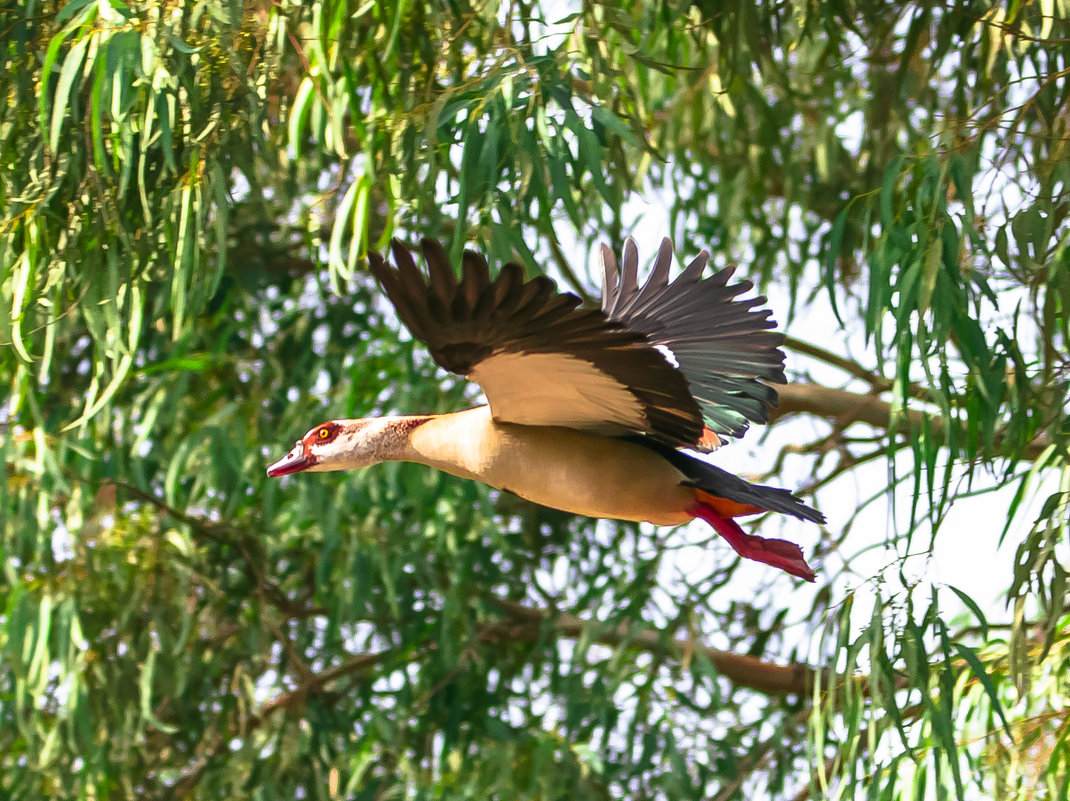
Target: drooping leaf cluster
186 194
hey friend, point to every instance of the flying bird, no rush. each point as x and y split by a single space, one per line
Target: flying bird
589 411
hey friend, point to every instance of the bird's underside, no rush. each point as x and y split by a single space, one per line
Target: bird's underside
585 473
588 409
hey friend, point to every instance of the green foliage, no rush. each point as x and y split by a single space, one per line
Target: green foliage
186 192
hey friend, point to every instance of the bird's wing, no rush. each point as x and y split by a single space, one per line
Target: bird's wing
722 345
539 359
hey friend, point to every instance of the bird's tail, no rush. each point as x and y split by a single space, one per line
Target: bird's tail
721 496
733 492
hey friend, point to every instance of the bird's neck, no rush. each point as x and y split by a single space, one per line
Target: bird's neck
460 443
386 439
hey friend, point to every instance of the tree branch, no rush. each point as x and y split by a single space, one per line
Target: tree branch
315 682
574 283
741 669
839 405
849 366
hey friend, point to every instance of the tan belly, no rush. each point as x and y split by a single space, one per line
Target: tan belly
558 467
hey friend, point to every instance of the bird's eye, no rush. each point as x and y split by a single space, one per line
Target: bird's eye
324 433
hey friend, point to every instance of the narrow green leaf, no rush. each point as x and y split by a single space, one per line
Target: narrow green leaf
974 608
832 253
930 269
343 220
591 156
359 242
400 8
299 114
47 66
942 722
36 651
69 10
888 186
979 671
94 405
45 367
96 116
145 694
62 99
1050 505
613 123
183 259
24 274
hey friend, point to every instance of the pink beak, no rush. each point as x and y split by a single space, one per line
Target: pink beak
293 462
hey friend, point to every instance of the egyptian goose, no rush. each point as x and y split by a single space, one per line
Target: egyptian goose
587 410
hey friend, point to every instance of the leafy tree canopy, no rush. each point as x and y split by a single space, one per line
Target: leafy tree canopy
186 194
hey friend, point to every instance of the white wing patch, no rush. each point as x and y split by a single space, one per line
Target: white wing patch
670 357
552 389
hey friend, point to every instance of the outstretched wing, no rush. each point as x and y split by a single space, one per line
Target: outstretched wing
722 345
539 359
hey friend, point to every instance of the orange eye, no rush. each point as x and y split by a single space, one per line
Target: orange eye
324 433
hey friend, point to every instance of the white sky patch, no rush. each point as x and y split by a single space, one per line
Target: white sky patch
62 544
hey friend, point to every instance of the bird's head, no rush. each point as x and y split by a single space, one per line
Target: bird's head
336 445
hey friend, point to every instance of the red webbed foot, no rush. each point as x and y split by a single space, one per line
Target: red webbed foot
778 553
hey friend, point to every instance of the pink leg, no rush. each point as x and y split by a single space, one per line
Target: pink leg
779 553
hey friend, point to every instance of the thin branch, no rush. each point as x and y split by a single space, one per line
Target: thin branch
849 366
877 381
758 759
840 405
189 780
316 682
574 283
221 533
741 669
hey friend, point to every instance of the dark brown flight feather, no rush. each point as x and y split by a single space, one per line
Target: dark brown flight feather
465 322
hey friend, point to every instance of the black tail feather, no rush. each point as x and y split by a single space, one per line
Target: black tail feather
722 484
